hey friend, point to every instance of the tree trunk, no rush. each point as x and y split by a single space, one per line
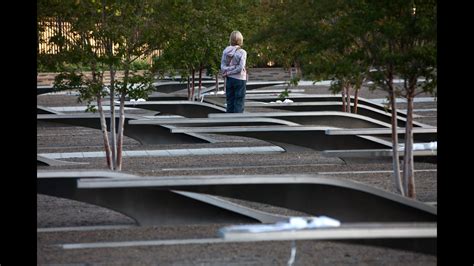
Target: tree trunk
343 96
297 70
122 114
395 155
200 81
348 101
356 99
408 172
189 89
103 123
120 131
192 84
113 137
103 128
109 52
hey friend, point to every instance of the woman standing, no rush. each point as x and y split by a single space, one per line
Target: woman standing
233 70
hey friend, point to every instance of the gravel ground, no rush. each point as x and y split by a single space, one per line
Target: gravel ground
56 212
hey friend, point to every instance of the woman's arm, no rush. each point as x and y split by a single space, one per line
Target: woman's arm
228 68
238 68
224 67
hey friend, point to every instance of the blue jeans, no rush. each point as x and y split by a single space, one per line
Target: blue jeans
235 95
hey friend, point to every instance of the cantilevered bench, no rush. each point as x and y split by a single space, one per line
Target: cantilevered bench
334 106
322 98
417 237
250 85
145 134
267 91
41 160
295 137
251 97
347 123
213 99
253 85
46 110
202 122
315 118
332 119
364 153
181 87
220 100
149 206
158 96
153 200
178 78
354 155
420 134
175 86
183 108
46 89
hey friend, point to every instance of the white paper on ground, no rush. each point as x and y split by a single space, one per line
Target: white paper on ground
138 100
293 223
285 101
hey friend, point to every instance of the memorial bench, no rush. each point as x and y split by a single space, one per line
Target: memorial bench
43 89
145 134
183 108
323 98
252 97
334 106
414 237
315 118
361 155
41 160
163 200
46 110
212 121
295 137
420 134
176 86
250 86
208 85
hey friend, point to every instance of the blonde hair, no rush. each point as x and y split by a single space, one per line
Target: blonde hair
236 38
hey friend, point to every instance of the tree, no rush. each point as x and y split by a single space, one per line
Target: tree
353 41
346 70
131 28
76 47
304 35
283 37
200 32
399 39
103 35
417 46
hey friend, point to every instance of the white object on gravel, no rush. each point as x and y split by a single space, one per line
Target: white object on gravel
285 101
138 100
292 224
